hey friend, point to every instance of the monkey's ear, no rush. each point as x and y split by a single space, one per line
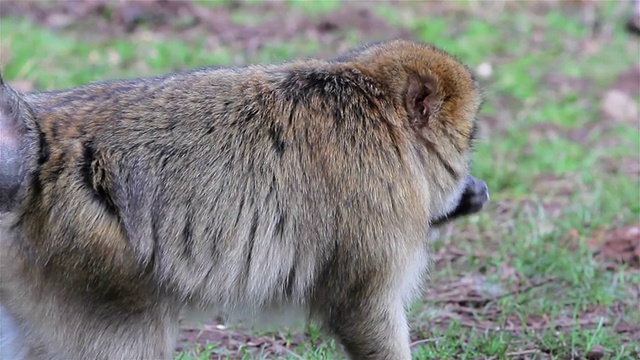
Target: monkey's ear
420 100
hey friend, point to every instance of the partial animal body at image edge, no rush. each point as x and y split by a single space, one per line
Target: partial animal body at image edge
309 184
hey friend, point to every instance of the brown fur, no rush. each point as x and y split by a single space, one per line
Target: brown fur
308 184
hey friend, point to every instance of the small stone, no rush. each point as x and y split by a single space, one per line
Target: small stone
619 106
596 353
484 70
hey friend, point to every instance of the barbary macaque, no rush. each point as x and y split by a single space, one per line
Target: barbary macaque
309 184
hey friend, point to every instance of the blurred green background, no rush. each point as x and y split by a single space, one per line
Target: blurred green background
550 270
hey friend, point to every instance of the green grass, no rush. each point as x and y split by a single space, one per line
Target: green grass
530 242
315 7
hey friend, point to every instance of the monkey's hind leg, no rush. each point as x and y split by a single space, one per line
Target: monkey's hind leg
371 327
51 327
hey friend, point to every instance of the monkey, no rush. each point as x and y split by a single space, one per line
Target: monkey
309 184
11 130
633 19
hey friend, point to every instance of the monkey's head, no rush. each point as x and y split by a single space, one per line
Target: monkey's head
438 99
15 120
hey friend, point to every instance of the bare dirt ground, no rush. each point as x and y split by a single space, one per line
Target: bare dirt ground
101 18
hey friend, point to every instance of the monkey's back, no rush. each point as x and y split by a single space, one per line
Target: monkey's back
235 186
